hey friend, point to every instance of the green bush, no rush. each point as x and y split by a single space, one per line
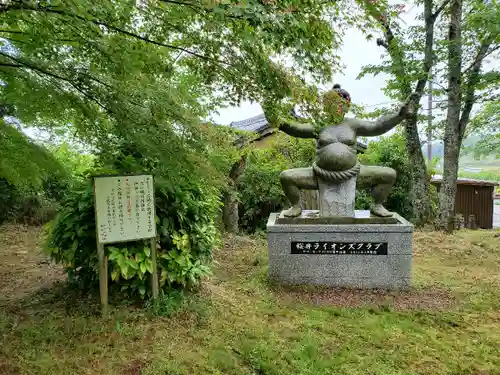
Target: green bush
25 206
483 175
10 201
185 214
30 178
259 187
390 151
76 166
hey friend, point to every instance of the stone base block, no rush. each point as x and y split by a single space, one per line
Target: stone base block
341 255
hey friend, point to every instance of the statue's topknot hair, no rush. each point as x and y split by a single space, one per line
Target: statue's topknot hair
343 93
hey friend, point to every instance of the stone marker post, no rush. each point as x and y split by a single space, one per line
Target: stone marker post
337 199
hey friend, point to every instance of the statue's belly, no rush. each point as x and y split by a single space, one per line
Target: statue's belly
336 157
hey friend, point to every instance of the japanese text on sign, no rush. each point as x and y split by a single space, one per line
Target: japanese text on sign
348 248
124 208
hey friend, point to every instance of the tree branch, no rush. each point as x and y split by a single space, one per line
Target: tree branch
145 39
32 67
122 31
191 5
10 39
11 65
23 64
395 53
439 10
486 54
292 9
470 85
428 49
12 32
398 57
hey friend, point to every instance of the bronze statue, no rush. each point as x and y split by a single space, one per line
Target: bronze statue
336 157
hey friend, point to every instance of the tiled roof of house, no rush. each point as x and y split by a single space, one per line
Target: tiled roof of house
252 124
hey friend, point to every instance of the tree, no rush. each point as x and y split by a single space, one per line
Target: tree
27 172
486 124
469 37
23 163
390 151
259 188
405 69
147 71
228 152
473 35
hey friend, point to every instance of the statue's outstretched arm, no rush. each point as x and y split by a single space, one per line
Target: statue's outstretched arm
297 129
384 123
374 128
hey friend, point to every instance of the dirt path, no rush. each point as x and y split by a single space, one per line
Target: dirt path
23 267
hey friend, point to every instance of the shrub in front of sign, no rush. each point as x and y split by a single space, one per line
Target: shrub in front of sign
186 236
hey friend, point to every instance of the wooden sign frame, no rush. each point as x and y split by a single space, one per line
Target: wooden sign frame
103 259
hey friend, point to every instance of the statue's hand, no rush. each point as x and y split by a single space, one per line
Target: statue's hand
409 108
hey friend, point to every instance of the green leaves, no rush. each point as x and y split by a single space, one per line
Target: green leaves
181 241
23 163
143 268
103 61
97 74
259 188
486 125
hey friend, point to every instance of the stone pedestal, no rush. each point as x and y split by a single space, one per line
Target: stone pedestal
359 252
336 198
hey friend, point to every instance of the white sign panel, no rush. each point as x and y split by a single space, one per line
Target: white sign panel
124 208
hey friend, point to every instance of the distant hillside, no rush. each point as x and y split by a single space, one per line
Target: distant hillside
438 147
467 162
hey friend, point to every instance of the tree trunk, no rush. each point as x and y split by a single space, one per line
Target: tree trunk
230 214
448 188
419 193
452 136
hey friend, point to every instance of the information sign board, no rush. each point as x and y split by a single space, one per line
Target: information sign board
125 209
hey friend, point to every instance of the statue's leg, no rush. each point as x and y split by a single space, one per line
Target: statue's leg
294 180
380 180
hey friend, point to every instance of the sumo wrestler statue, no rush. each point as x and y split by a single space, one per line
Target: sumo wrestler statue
336 157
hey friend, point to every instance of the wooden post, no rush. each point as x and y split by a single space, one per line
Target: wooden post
103 265
471 223
154 277
103 277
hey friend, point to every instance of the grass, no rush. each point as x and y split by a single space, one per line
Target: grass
238 323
